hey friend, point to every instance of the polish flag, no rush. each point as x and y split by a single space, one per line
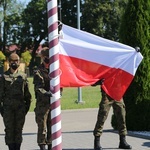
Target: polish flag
86 58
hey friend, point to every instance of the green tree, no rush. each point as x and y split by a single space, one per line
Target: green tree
9 21
29 29
68 9
103 17
34 30
135 31
35 22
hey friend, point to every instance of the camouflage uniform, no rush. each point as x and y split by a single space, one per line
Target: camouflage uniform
15 99
42 110
119 111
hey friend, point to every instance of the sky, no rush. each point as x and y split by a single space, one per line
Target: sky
24 1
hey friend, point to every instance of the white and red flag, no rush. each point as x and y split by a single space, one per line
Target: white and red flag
86 58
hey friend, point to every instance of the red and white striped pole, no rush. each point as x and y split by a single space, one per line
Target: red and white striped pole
54 75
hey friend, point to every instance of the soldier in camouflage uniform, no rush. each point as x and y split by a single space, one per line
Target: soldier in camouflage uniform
15 100
120 113
42 92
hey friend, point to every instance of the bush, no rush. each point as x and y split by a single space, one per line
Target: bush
137 117
2 58
26 57
135 31
140 112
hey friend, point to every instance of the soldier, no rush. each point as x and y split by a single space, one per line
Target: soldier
42 110
120 113
15 100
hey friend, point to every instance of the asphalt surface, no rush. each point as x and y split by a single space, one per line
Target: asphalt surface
77 127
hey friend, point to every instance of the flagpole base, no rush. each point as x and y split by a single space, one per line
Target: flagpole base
80 102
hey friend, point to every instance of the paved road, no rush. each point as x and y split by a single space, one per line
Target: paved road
77 127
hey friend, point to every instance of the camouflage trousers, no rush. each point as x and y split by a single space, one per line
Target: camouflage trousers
119 111
43 120
14 118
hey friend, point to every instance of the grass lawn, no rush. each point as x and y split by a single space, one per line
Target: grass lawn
69 100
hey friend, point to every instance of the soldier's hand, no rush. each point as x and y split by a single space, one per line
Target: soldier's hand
99 82
48 93
61 90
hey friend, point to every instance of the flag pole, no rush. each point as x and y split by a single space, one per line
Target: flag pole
78 26
56 135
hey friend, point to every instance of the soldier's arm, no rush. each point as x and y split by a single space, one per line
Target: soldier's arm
1 87
38 82
27 95
1 93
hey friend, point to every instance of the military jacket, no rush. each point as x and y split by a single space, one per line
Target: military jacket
14 86
41 83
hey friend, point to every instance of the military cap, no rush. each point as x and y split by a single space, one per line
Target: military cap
14 56
45 52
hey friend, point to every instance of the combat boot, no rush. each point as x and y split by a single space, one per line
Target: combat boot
97 145
11 146
17 146
42 147
123 144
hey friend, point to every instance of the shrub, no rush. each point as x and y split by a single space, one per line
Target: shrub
26 57
135 31
2 58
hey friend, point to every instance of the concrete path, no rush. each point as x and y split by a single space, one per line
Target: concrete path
77 127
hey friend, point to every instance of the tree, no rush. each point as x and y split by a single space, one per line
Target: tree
68 11
10 21
135 31
34 29
103 17
35 22
31 28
